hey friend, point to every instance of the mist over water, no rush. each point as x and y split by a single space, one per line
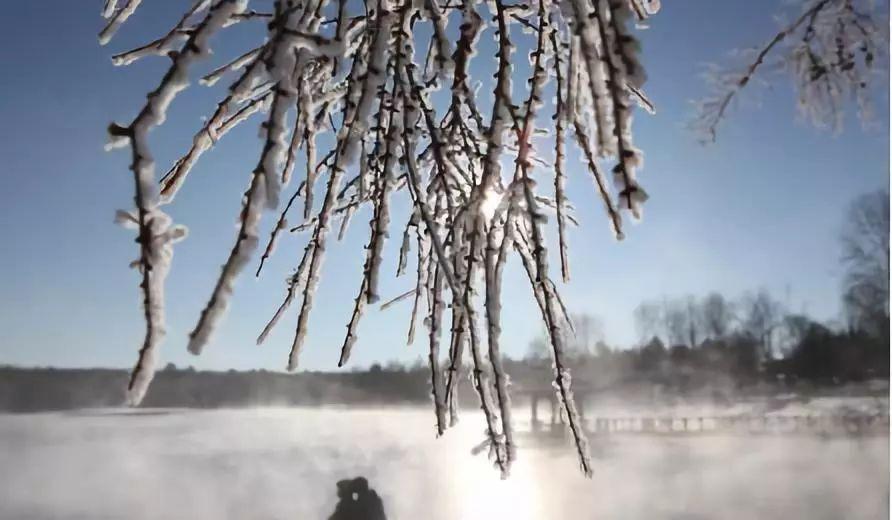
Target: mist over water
284 463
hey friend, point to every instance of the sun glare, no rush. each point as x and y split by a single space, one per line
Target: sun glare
484 496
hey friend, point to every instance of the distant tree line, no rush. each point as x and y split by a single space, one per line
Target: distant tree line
39 389
754 338
687 343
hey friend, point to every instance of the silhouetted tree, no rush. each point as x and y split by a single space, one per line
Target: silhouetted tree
794 327
579 343
675 321
745 355
648 320
537 349
587 332
694 318
717 314
820 353
652 355
865 244
761 314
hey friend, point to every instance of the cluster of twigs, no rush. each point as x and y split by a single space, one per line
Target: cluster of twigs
830 49
358 76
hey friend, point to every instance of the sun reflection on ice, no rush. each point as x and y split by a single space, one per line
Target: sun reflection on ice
484 496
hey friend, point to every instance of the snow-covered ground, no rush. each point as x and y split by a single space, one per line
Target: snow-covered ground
283 463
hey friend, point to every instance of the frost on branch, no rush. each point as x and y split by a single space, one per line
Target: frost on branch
831 50
358 103
155 233
161 235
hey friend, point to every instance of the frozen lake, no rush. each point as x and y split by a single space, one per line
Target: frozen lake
283 463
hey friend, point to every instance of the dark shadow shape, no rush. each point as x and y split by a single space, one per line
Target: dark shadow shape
357 501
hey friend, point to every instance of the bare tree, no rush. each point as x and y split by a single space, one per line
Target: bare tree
695 321
794 329
648 318
588 331
537 349
675 321
717 314
761 315
865 243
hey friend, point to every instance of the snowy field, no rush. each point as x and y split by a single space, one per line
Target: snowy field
283 463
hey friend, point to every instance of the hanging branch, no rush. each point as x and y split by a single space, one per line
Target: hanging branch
582 140
622 69
156 234
345 153
832 51
263 191
437 384
480 376
343 81
560 119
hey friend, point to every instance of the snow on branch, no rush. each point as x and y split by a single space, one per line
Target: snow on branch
382 91
831 50
156 233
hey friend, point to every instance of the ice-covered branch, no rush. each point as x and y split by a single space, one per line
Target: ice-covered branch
560 120
343 81
156 234
263 191
831 54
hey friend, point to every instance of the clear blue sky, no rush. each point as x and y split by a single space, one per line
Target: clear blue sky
762 208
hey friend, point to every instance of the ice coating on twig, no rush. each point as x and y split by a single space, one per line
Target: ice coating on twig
357 104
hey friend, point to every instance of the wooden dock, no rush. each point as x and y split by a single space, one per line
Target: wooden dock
774 423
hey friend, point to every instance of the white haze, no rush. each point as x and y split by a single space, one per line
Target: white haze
283 463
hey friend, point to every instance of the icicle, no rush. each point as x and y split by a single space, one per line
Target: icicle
404 246
582 140
458 333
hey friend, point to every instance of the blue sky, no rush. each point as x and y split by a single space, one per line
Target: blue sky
761 208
